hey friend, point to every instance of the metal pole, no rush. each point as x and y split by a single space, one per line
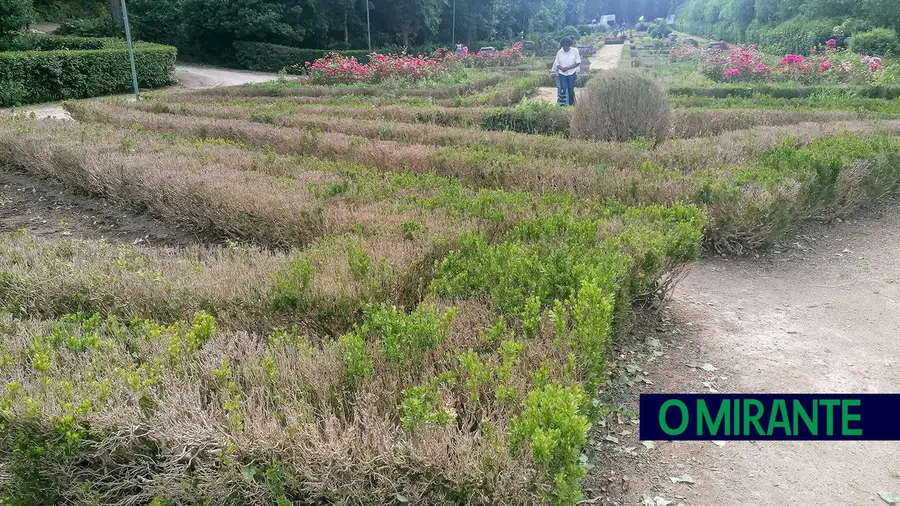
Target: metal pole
368 26
453 31
134 79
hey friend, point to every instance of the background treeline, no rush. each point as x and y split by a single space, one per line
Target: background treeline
207 29
794 25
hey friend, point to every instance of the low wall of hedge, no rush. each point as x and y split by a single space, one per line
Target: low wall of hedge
263 57
56 68
874 91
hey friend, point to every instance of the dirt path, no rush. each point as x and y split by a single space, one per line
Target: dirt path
188 76
47 208
823 315
606 58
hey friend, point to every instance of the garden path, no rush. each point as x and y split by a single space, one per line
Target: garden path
821 315
606 58
188 76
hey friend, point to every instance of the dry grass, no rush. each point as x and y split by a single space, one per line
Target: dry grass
351 452
688 123
275 90
622 105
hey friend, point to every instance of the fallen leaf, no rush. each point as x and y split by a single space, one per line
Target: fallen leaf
649 444
632 368
684 478
719 443
611 439
662 501
653 343
401 498
646 500
889 497
709 367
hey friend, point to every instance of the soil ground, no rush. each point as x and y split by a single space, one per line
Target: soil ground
819 314
606 58
47 208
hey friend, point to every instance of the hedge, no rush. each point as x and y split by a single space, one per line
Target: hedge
28 77
43 42
874 91
529 118
264 57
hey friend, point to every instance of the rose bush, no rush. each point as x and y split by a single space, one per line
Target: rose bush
827 64
735 64
336 69
686 53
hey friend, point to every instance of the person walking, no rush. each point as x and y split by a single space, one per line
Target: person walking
566 66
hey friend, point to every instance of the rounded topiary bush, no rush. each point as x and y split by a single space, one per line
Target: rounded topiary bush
622 105
878 42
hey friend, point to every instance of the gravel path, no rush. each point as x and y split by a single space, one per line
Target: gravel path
821 316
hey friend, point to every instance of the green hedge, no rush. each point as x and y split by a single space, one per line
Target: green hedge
28 77
875 91
530 118
42 42
263 57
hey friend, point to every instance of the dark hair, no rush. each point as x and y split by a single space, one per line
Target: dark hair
565 41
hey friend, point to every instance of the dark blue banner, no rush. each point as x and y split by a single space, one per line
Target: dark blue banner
777 417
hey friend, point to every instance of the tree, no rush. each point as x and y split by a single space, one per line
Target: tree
15 15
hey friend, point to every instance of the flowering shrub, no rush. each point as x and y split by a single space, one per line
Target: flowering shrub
736 64
336 69
827 64
509 57
681 54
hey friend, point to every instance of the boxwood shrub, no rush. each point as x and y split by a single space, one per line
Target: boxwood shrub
61 68
871 91
264 57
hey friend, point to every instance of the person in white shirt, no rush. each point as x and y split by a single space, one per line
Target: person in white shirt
566 66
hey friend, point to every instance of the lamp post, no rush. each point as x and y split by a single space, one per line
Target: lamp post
134 79
453 30
368 26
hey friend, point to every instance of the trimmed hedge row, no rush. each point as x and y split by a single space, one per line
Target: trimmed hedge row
28 77
875 91
264 57
42 42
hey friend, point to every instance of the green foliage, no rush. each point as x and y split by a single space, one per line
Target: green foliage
15 15
422 405
569 31
156 21
352 349
660 31
264 57
47 75
405 337
878 42
553 426
93 27
530 117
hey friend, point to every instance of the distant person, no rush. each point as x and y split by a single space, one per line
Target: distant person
566 66
465 50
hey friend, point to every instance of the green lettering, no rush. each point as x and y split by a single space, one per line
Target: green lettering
737 418
779 418
846 418
703 417
753 418
829 415
684 417
811 423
